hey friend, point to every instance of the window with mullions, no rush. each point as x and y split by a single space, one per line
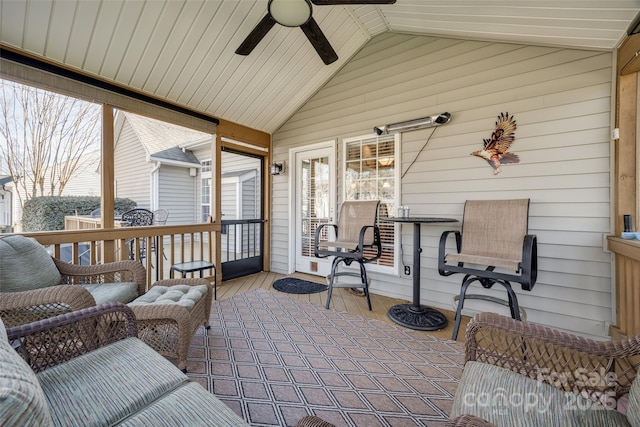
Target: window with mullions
205 190
371 173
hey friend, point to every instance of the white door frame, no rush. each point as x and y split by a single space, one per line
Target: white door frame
293 185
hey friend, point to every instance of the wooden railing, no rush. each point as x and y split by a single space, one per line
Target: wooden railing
157 247
627 262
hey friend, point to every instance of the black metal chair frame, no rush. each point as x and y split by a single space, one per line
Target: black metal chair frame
348 255
526 274
138 217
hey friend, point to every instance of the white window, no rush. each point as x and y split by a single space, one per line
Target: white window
371 172
205 190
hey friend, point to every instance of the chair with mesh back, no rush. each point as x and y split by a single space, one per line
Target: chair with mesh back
160 216
357 238
494 236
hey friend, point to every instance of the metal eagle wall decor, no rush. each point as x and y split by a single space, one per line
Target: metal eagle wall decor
495 149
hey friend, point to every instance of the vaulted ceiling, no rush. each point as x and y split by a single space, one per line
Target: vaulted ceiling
183 50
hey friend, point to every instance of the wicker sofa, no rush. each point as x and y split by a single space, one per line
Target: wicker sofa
88 368
523 374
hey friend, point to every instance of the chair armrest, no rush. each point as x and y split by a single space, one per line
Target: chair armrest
18 308
442 248
468 421
529 264
50 342
119 271
317 238
566 361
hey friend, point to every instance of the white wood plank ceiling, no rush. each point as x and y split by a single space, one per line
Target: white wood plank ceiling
183 50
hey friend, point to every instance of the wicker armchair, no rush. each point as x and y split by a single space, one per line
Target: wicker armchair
35 286
581 381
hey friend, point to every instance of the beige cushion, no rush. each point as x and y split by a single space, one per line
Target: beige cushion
123 292
22 401
184 295
26 265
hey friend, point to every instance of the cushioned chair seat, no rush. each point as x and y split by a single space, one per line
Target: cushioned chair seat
190 405
184 295
123 292
103 396
506 398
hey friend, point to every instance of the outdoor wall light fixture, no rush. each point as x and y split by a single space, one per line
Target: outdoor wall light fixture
277 168
425 122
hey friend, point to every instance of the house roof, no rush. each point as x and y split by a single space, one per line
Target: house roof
183 50
5 180
164 141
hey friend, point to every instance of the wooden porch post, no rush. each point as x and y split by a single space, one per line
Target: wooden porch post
107 190
215 197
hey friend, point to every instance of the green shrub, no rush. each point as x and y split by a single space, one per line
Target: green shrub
47 213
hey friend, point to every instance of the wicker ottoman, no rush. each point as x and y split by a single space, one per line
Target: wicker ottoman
169 314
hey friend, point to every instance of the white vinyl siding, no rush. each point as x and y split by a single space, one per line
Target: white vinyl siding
561 100
177 194
131 169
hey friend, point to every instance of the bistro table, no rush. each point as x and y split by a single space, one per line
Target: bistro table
415 315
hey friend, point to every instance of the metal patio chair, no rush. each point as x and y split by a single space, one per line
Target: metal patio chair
357 238
137 217
494 235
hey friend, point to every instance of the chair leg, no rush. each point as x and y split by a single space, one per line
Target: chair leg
365 282
334 266
514 307
463 292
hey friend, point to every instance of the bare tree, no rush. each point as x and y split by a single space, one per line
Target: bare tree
44 136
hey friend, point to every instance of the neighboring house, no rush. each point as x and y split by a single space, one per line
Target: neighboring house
163 166
85 182
6 197
153 169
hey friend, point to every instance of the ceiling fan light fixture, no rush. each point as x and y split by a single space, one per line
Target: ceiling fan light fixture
290 13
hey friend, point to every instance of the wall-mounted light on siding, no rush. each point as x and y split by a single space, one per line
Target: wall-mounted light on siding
277 168
415 124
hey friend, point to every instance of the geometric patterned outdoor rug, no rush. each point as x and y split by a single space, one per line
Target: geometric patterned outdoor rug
274 359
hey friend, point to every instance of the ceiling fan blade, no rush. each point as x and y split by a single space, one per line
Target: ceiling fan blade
319 41
337 2
256 35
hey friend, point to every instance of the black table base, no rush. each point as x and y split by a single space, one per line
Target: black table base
421 318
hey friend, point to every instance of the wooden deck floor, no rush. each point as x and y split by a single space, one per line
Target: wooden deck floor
341 300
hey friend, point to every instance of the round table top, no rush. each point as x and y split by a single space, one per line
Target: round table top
419 219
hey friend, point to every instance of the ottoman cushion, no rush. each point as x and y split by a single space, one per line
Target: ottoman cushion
184 295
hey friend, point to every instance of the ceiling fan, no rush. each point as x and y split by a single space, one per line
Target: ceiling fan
298 13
